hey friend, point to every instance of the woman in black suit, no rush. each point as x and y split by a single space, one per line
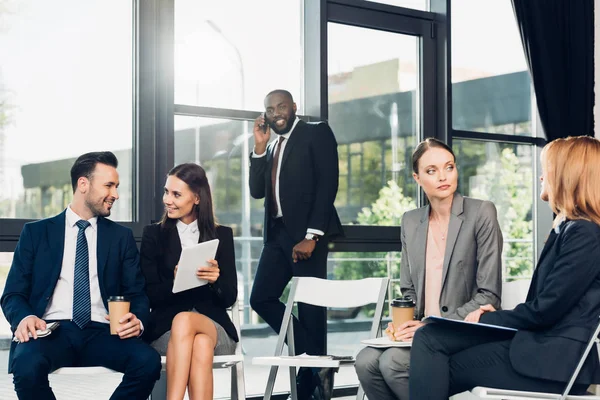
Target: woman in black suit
193 325
561 310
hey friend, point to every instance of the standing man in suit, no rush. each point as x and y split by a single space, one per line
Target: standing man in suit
64 269
297 175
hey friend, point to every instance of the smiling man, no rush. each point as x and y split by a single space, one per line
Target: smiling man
64 269
297 174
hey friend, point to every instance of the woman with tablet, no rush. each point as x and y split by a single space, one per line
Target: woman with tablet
190 326
559 314
451 265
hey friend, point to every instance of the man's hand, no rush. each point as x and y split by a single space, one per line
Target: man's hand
211 273
130 326
29 324
474 316
262 134
175 271
303 250
404 332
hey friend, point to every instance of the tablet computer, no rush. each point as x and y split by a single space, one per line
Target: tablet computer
191 259
473 325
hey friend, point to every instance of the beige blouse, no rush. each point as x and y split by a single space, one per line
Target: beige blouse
434 263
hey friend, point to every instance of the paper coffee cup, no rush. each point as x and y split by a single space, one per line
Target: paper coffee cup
403 309
118 306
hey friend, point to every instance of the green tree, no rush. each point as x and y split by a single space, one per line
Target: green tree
387 210
508 184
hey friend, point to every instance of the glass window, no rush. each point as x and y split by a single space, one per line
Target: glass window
5 262
503 174
373 109
414 4
222 148
491 86
66 83
230 53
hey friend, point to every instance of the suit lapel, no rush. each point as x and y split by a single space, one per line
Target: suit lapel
103 246
173 247
294 137
56 239
456 220
420 244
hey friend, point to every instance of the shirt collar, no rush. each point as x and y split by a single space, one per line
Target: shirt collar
182 228
287 135
559 225
72 218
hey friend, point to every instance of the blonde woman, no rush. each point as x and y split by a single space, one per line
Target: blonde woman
561 309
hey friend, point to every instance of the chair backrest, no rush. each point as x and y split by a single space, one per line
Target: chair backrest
514 293
331 293
235 318
339 294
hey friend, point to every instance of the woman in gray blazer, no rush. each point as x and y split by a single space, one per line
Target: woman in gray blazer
451 265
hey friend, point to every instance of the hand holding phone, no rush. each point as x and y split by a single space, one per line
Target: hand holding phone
40 333
262 134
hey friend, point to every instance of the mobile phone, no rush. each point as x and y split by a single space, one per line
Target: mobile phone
42 332
264 126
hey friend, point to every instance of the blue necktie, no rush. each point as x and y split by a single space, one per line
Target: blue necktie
82 308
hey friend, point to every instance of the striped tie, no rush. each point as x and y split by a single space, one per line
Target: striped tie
81 282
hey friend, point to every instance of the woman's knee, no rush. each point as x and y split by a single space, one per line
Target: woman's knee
182 324
203 349
394 363
367 363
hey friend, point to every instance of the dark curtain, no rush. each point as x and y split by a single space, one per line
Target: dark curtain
558 39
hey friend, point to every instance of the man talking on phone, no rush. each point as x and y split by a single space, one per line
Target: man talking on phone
297 174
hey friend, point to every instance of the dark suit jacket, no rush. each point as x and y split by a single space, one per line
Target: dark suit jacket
472 270
561 310
38 260
160 252
308 181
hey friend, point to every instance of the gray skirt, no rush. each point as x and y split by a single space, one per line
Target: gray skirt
225 344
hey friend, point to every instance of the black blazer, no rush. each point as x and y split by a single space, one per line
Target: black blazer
308 181
159 255
561 310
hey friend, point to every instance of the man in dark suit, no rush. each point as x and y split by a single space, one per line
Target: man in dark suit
64 269
297 175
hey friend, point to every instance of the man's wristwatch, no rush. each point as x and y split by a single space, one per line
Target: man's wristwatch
312 236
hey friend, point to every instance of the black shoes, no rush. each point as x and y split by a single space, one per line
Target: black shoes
311 386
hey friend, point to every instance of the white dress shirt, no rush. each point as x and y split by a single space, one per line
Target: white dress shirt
61 303
277 197
188 234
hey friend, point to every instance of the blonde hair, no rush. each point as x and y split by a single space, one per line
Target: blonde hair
572 168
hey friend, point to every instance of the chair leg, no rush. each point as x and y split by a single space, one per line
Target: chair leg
159 392
360 394
293 387
238 389
271 383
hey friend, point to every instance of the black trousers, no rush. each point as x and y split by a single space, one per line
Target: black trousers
71 346
275 269
445 361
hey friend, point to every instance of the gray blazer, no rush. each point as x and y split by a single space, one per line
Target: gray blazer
472 271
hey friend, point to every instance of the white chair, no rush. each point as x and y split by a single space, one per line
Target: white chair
514 293
324 293
492 393
234 362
